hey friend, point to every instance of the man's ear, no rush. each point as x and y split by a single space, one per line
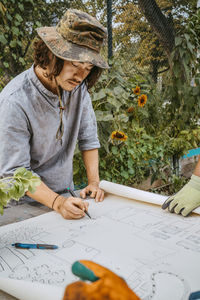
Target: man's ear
52 61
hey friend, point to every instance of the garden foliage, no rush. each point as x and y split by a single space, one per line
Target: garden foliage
166 126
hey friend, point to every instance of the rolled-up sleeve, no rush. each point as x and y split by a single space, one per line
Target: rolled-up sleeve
87 137
14 138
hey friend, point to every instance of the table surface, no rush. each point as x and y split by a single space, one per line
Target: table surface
16 212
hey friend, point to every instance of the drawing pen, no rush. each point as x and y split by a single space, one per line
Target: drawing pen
34 246
73 194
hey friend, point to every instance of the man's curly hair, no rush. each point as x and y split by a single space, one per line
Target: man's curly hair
42 59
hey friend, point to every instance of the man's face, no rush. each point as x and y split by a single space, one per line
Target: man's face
72 74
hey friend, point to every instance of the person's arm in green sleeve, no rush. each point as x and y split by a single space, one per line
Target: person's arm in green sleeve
188 198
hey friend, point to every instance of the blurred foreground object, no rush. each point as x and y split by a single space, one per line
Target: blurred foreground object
106 284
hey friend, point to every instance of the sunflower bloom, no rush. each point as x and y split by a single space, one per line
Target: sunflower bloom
136 91
119 136
142 100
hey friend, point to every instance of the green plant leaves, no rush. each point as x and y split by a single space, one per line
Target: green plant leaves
98 96
16 186
103 116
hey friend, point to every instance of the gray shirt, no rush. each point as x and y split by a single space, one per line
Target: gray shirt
29 120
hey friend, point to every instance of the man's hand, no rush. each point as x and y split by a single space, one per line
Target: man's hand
186 200
94 191
106 284
71 208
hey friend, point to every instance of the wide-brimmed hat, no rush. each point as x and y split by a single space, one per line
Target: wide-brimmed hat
77 37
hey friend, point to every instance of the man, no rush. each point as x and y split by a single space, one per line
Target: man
46 109
188 198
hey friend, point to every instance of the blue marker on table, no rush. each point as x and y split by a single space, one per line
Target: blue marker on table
34 246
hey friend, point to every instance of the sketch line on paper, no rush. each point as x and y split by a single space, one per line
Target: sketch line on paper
185 286
10 258
43 272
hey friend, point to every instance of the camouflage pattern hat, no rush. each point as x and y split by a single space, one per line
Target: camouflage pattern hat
77 37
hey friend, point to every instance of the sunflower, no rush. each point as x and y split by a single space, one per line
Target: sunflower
136 91
142 100
119 136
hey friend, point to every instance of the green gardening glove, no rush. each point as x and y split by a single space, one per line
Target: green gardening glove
186 200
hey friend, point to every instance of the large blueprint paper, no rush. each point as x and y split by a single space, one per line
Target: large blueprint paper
156 252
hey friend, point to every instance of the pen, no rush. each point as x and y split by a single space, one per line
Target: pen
73 194
34 246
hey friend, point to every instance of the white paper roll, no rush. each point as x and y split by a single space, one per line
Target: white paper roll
135 194
25 290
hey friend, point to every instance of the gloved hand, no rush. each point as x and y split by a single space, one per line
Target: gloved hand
186 200
106 284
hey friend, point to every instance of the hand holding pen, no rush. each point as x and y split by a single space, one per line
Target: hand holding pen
71 207
74 195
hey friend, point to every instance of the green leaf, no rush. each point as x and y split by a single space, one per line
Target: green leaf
187 37
14 55
15 30
38 24
191 47
13 43
125 174
21 6
100 95
16 23
114 150
123 118
3 40
9 17
19 18
103 116
21 172
178 41
21 59
117 104
6 65
118 90
14 187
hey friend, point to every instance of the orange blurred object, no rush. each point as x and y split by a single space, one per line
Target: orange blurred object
109 286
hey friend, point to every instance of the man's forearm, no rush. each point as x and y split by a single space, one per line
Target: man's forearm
91 161
44 195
